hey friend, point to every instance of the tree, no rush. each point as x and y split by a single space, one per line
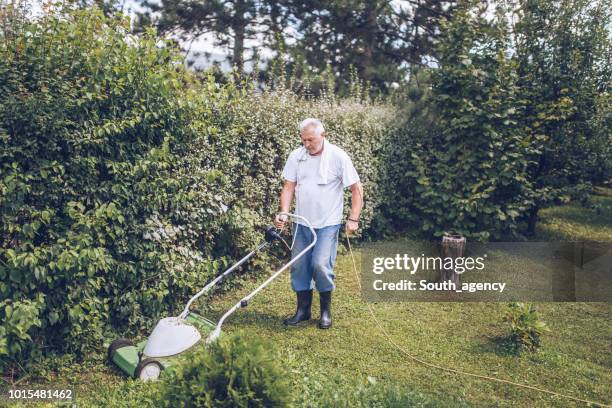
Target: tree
564 53
468 173
375 39
232 22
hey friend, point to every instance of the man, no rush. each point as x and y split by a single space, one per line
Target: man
317 173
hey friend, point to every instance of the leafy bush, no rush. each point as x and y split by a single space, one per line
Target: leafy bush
468 172
525 327
563 56
17 319
232 372
500 136
96 211
400 149
254 132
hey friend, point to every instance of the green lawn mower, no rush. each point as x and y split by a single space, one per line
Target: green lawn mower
175 336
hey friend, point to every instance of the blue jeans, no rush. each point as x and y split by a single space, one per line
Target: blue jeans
316 267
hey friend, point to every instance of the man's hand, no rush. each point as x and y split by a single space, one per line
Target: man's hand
351 226
279 221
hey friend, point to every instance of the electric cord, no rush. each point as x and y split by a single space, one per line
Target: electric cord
286 244
449 369
453 370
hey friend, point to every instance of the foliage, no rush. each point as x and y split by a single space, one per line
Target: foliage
264 131
517 120
468 172
125 182
18 318
563 52
232 372
526 328
374 41
233 23
96 211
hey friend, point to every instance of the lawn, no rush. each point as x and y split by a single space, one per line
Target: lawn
345 364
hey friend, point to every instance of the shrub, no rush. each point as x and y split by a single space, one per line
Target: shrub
517 126
469 174
232 372
17 319
96 212
525 327
254 132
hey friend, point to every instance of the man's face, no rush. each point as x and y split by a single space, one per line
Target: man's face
311 141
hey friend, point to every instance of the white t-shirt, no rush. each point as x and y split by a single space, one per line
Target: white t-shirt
321 204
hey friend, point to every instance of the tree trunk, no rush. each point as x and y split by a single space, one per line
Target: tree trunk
371 30
276 20
453 246
238 57
533 219
239 32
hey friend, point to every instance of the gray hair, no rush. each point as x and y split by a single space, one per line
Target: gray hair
315 123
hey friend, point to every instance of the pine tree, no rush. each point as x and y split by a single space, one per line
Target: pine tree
376 39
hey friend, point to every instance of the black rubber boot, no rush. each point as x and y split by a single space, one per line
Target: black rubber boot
304 301
326 320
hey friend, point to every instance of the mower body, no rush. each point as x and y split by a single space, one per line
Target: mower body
130 359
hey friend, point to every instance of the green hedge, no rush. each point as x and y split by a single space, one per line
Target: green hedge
501 127
254 135
126 183
97 218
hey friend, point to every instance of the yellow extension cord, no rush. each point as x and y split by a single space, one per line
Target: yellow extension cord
453 370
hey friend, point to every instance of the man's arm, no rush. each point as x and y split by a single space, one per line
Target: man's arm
356 200
356 205
286 196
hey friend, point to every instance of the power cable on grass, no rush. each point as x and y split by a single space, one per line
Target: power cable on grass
453 370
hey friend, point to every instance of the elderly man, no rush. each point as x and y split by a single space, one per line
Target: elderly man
317 173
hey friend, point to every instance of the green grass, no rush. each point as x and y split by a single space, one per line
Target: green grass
354 362
574 222
575 359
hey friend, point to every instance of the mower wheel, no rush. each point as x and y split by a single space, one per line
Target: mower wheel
148 369
116 345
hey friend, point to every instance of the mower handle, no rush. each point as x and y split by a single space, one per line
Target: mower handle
244 301
212 283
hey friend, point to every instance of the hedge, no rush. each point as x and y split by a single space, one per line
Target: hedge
126 182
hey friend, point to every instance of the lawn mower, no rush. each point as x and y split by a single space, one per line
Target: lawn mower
173 336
